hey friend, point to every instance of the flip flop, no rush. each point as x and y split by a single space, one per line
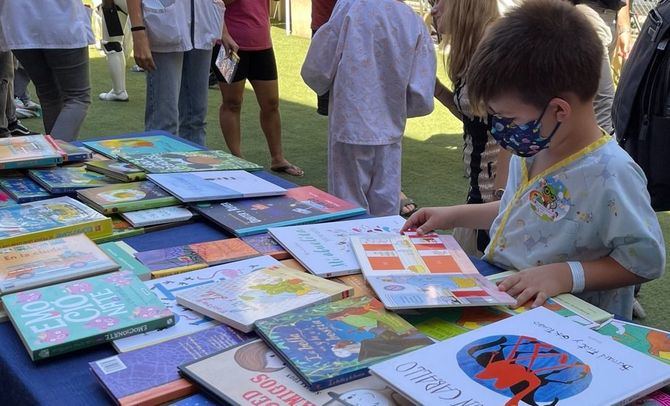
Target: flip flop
289 169
406 202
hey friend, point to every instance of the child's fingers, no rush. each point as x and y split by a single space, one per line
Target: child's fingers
413 221
525 296
508 282
540 299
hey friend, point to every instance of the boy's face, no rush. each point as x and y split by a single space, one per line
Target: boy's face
520 113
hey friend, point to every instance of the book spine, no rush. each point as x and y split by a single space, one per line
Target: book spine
32 163
144 205
339 380
56 147
93 229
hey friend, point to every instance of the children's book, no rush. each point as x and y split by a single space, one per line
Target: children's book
325 249
152 144
556 307
361 288
122 171
74 153
251 373
300 205
658 398
61 318
227 63
241 301
188 321
120 229
533 358
126 197
5 200
647 340
193 400
38 264
23 189
161 215
68 179
150 375
124 255
442 324
30 151
266 245
48 219
193 161
215 185
335 343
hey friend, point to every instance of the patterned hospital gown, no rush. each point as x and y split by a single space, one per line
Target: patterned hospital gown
591 205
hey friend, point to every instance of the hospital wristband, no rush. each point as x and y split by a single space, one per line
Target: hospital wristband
138 28
578 279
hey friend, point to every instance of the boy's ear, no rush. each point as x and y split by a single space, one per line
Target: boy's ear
562 109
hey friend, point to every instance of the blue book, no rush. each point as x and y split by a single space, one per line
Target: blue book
151 144
23 189
30 151
68 179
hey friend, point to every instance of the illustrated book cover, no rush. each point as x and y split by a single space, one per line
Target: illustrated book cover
23 189
266 245
124 197
647 340
68 179
161 215
227 63
152 144
29 151
124 255
122 171
193 161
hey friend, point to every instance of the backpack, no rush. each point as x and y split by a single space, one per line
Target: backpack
641 109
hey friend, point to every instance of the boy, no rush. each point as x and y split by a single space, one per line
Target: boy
378 61
575 215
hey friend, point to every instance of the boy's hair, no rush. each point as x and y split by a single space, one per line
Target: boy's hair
537 51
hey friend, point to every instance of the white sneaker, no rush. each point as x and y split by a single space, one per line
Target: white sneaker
114 96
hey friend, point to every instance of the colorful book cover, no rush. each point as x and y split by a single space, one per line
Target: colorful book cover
241 301
193 161
254 374
658 398
38 264
74 153
334 343
61 318
5 200
222 251
161 215
325 249
150 375
140 145
556 307
447 323
30 151
122 171
215 185
120 229
266 245
125 197
300 205
124 255
227 63
361 288
48 219
194 400
647 340
187 321
533 358
23 189
68 179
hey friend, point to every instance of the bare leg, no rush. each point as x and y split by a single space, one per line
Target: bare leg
229 114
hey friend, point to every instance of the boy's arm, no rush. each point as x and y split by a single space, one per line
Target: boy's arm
475 216
421 88
318 70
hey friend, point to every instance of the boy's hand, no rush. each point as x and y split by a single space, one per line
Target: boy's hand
539 283
429 219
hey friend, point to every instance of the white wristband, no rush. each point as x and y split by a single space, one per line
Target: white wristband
578 279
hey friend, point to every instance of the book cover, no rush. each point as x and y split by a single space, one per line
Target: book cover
23 189
187 321
5 200
299 205
251 373
74 153
193 161
140 145
555 306
124 255
29 151
227 63
325 249
658 398
48 219
222 251
38 264
447 323
69 316
266 245
194 400
68 179
126 197
122 171
161 215
120 229
150 374
650 341
334 343
361 288
533 358
241 301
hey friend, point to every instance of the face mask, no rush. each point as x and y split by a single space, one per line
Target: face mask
523 140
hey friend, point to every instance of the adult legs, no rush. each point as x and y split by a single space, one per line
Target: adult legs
229 114
193 95
163 84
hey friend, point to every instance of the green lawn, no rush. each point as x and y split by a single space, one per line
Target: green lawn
432 169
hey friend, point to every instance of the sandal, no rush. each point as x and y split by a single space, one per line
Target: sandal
289 169
404 202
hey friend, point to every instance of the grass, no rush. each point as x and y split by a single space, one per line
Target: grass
432 161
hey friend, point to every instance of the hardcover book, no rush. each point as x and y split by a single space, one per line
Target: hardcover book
48 219
124 255
187 321
194 161
241 301
299 205
61 318
23 189
325 249
193 400
227 63
122 171
68 179
140 145
126 197
533 358
266 245
442 324
120 229
74 153
334 343
649 341
161 215
38 264
5 200
30 151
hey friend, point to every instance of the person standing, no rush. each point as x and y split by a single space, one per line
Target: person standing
321 11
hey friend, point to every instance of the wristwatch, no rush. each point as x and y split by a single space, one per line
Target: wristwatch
498 194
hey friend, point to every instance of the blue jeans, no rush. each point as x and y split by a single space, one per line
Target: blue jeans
177 94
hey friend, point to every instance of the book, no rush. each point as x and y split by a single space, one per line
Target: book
161 215
38 264
241 301
68 179
299 205
442 324
658 398
48 219
126 197
251 373
537 357
6 201
150 375
23 189
188 321
61 318
215 185
73 153
120 229
193 400
334 343
266 245
325 249
193 161
227 63
29 151
114 169
361 288
139 145
124 255
649 341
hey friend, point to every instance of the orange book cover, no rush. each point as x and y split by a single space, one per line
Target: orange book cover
222 251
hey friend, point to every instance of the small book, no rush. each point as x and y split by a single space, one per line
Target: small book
151 144
251 372
68 179
74 153
23 189
334 343
29 151
649 341
126 197
299 205
215 185
161 215
533 358
120 229
266 245
38 264
114 169
124 255
61 318
227 63
325 249
193 161
49 219
265 293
